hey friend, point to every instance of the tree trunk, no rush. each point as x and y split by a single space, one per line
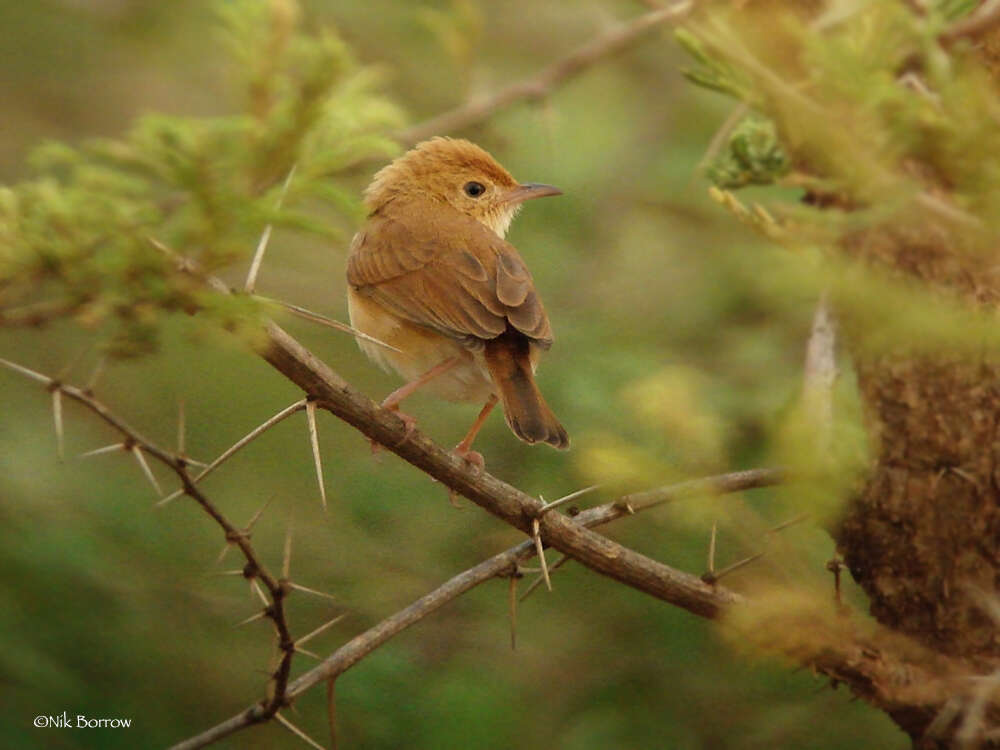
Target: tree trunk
923 536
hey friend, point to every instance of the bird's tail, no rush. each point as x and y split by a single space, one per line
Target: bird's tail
527 414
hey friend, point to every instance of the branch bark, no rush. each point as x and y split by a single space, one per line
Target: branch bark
508 503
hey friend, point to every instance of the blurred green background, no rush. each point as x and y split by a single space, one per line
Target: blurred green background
677 354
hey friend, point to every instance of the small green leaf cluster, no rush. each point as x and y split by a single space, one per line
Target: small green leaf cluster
753 156
85 237
864 98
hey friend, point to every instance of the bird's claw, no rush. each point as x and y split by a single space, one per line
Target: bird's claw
475 458
409 422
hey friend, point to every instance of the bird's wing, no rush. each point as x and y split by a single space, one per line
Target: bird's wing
449 273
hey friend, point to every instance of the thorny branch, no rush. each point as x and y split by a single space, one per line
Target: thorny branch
254 570
870 667
541 84
281 692
331 392
508 503
500 565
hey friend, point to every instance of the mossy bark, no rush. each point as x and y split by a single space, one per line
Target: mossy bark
923 535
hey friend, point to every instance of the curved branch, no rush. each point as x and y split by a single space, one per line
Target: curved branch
542 83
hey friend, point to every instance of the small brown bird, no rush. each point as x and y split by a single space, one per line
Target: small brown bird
431 275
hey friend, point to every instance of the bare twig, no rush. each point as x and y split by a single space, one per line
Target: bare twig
135 443
546 80
718 485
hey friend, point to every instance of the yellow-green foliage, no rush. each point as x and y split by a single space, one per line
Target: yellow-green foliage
861 95
79 238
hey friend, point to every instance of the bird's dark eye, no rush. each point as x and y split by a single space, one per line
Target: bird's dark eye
474 189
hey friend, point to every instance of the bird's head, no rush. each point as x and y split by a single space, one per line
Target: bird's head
460 174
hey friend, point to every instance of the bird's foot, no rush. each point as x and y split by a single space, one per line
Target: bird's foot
410 422
473 457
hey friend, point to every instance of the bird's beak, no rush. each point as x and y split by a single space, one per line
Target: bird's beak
529 190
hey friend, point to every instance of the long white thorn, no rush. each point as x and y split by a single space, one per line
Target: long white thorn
255 587
26 372
57 418
96 374
137 452
298 732
105 449
265 238
286 562
248 438
536 535
250 619
325 626
566 498
315 317
314 592
314 441
180 427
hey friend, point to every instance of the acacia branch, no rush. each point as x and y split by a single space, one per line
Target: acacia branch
277 589
542 83
503 564
508 503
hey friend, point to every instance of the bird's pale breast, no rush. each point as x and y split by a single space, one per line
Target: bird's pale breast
420 350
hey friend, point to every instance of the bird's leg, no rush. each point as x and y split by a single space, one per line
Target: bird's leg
464 449
392 401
